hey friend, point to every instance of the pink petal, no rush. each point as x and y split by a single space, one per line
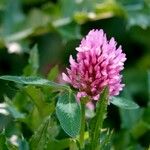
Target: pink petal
66 78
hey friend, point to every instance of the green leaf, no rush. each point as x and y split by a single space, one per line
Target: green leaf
140 129
68 113
52 75
41 137
12 109
3 142
8 108
32 67
124 103
102 10
37 81
37 18
75 6
23 145
70 31
58 144
97 122
13 17
140 19
109 9
105 140
11 146
15 113
37 96
149 85
19 35
129 118
139 16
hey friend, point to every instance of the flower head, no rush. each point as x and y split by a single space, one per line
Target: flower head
98 64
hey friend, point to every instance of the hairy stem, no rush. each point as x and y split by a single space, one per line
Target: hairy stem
98 120
82 125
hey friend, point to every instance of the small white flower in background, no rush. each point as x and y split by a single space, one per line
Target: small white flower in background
14 140
3 105
14 48
92 15
3 109
4 112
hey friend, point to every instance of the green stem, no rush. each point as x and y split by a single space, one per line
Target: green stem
97 132
82 125
98 121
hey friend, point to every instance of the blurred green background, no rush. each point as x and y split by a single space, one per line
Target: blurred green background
57 26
